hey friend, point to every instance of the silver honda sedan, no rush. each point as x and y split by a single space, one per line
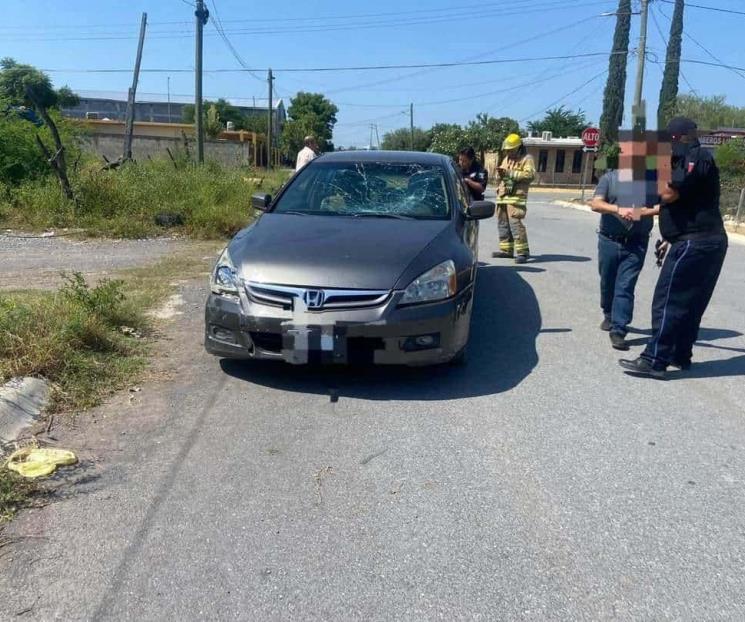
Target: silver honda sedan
363 257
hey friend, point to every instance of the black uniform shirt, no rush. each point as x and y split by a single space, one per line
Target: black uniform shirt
612 225
478 174
696 212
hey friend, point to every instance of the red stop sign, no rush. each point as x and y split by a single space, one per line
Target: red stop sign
591 137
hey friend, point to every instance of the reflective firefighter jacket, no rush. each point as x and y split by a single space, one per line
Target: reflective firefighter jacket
513 188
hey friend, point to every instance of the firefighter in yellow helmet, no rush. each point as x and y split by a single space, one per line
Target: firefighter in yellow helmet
516 172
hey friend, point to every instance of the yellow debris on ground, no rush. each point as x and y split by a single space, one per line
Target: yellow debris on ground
38 461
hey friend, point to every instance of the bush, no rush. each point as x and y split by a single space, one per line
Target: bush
20 157
211 201
72 337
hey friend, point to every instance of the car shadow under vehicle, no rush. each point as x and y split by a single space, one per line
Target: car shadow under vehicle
501 354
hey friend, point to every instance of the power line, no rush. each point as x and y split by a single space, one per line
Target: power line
498 8
707 8
496 61
319 28
563 97
665 41
217 23
707 51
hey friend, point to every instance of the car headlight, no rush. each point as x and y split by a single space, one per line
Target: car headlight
438 283
224 279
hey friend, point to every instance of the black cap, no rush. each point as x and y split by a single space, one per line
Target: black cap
681 126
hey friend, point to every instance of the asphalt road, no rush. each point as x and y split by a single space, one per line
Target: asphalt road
539 482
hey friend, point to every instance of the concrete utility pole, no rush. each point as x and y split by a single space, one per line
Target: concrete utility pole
411 126
202 15
639 115
130 122
269 121
169 100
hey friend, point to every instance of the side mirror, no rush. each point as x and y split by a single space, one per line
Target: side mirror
261 201
478 210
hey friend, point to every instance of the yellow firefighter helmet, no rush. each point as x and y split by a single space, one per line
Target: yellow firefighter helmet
513 141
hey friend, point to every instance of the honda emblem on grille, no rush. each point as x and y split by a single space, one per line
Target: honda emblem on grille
313 298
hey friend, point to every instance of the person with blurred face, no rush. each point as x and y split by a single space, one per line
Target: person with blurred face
474 175
623 239
307 153
516 173
691 223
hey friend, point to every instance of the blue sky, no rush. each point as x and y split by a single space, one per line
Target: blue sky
83 35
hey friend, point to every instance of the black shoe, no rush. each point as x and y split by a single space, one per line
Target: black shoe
521 259
683 365
642 367
605 325
502 255
618 341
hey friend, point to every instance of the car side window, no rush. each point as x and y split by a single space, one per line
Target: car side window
460 190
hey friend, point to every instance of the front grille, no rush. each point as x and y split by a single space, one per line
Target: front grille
315 299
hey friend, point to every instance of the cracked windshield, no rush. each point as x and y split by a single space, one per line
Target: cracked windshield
375 189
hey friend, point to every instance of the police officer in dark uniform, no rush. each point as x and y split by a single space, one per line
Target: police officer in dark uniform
691 223
474 175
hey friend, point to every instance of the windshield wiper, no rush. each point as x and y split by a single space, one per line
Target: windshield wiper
382 215
295 213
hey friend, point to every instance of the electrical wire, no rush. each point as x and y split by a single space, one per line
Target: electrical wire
563 97
418 16
666 42
495 61
217 23
707 8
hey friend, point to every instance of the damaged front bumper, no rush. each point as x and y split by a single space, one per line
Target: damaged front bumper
388 334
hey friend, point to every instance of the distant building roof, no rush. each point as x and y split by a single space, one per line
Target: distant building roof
538 141
162 98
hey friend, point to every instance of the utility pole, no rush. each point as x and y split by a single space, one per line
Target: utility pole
269 121
202 15
377 137
639 115
411 126
130 123
169 100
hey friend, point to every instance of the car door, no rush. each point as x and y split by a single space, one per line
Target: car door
468 229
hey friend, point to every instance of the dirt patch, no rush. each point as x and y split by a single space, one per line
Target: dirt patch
37 262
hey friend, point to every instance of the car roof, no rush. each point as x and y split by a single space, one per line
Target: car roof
400 157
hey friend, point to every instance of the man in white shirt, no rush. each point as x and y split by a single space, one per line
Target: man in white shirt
307 153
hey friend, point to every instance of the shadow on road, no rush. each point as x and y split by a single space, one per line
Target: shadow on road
713 369
705 335
502 353
558 258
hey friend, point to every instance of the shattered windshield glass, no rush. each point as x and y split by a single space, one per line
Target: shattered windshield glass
368 189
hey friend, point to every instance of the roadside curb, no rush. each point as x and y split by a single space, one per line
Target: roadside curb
733 232
22 401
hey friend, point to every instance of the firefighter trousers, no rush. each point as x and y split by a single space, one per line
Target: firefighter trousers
513 237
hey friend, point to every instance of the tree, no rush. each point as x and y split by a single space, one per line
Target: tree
213 124
448 139
24 85
488 133
308 114
710 112
669 89
561 121
227 112
615 87
400 140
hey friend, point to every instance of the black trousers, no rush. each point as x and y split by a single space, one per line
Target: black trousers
684 289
